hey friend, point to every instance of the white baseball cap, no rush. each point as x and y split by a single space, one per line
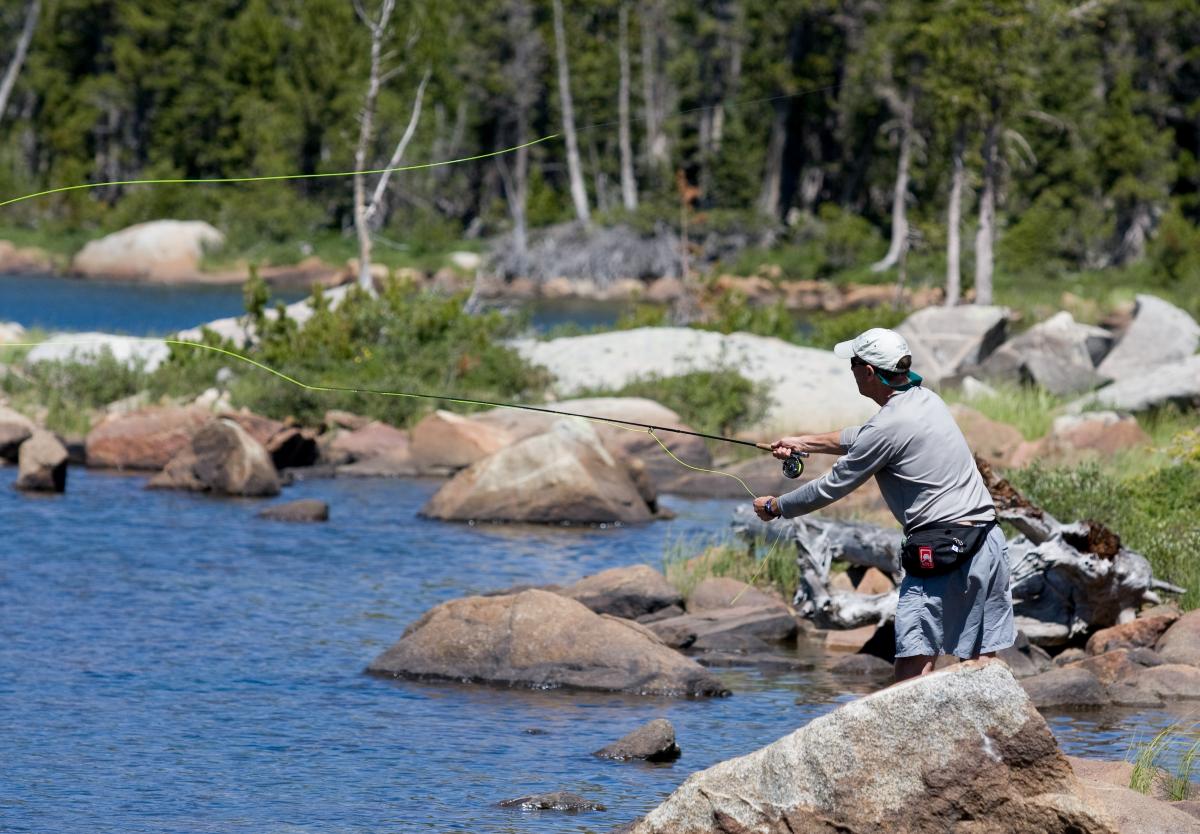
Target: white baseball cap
878 346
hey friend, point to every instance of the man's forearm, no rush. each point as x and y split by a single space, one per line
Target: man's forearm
829 443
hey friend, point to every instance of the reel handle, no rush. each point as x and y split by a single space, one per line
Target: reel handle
793 467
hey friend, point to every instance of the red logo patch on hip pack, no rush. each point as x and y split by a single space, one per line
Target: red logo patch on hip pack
925 554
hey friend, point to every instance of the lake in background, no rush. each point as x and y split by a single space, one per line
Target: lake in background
57 303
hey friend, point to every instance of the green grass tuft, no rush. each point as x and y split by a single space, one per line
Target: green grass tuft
687 563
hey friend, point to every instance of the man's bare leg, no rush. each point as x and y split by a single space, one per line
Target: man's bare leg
911 667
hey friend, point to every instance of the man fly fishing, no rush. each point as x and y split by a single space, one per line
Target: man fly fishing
955 596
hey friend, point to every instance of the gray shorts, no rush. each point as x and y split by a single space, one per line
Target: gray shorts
964 613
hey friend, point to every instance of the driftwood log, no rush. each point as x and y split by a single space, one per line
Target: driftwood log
1067 579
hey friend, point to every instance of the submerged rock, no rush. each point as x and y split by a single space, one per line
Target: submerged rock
542 640
222 458
555 801
306 509
938 753
653 742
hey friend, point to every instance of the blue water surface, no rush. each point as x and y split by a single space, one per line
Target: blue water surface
170 662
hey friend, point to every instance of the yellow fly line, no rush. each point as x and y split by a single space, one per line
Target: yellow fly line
278 177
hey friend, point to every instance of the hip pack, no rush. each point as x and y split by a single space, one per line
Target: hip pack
940 548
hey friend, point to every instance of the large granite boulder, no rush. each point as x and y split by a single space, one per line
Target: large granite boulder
1160 334
143 439
959 750
820 398
947 342
15 429
160 250
43 462
445 442
564 475
541 640
628 592
1181 642
1058 354
1106 787
222 458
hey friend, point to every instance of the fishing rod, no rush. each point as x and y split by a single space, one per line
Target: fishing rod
793 466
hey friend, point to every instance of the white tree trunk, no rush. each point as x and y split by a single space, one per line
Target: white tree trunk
628 184
366 132
18 58
900 195
954 226
574 165
374 212
985 236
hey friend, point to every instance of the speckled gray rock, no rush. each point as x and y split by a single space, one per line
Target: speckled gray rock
554 801
938 753
1066 687
946 342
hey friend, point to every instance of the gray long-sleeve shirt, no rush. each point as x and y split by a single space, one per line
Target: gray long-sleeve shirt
920 459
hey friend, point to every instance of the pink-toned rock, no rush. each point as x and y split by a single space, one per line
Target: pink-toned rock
144 439
288 445
875 581
1142 632
1110 667
1181 642
43 462
1099 433
159 250
995 442
221 458
444 442
849 639
371 440
542 640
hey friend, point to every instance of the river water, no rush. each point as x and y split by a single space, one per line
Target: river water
170 662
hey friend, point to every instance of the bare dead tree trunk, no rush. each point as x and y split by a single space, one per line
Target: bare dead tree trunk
899 241
374 211
574 165
18 58
954 224
985 236
366 129
628 183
